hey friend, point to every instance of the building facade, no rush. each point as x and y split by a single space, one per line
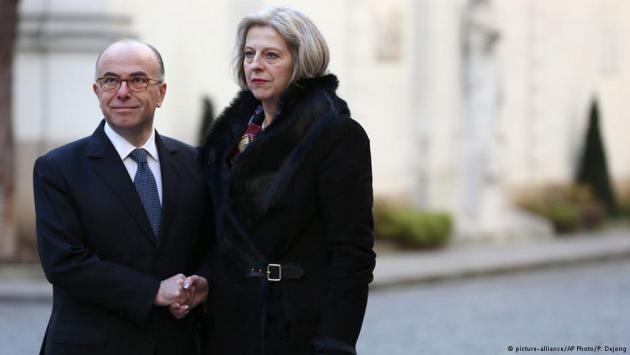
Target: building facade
465 101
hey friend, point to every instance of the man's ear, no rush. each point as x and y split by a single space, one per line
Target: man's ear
162 94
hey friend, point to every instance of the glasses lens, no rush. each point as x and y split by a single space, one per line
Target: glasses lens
110 83
138 83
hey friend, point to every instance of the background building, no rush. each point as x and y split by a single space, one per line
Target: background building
465 101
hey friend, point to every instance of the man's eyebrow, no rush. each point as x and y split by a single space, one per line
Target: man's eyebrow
137 73
109 74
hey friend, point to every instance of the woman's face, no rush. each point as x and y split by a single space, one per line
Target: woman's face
268 65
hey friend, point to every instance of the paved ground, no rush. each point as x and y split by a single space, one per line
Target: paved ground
22 326
577 305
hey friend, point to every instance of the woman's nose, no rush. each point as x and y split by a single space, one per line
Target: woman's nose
257 62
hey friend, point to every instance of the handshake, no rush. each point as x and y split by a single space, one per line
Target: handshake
181 294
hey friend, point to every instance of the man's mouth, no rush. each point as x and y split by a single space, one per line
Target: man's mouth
124 108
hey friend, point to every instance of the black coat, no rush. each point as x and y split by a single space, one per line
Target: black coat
98 251
300 193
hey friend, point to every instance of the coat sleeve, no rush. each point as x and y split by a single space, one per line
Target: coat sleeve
345 193
70 265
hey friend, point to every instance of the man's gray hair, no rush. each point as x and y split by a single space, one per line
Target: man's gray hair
158 56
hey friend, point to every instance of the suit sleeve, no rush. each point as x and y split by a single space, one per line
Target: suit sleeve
70 265
345 193
206 242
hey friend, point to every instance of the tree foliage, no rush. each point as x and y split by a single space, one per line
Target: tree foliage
593 167
8 24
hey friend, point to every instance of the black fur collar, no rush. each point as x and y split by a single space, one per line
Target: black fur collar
235 117
266 167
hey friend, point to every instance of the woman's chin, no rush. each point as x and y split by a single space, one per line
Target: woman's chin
260 95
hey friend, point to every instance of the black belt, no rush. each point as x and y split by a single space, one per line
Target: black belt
276 272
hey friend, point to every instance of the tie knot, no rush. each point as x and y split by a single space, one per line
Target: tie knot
139 155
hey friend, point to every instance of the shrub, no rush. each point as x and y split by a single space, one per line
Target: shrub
564 216
568 207
624 198
412 229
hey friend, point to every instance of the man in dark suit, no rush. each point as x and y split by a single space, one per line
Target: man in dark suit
120 219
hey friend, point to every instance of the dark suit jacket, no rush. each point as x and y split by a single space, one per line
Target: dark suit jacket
97 249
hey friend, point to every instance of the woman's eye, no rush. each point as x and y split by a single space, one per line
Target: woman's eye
249 54
272 55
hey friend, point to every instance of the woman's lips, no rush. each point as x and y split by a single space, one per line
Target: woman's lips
258 81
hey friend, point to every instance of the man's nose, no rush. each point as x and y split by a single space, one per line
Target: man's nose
123 91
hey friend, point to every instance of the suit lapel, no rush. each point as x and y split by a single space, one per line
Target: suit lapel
170 177
108 166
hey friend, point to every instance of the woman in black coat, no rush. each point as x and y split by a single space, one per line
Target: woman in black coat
290 176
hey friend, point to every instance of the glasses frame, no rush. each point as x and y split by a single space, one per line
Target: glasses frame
120 81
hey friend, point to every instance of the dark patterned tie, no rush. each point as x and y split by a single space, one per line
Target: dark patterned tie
147 189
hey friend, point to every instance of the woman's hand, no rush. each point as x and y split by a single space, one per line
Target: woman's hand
197 289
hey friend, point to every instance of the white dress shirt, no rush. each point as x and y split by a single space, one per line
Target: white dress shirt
124 148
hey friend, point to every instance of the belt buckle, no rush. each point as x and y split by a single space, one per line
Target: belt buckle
272 270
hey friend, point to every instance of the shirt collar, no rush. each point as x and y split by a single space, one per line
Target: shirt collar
123 147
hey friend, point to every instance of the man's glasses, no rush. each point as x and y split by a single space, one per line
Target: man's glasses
136 83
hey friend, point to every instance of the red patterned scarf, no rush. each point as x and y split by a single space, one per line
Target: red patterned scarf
253 129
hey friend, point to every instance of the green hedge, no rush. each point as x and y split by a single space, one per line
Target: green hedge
623 189
412 229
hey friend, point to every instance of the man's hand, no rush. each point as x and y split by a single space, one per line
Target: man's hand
172 291
197 288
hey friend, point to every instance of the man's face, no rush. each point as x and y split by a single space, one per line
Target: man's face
127 111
